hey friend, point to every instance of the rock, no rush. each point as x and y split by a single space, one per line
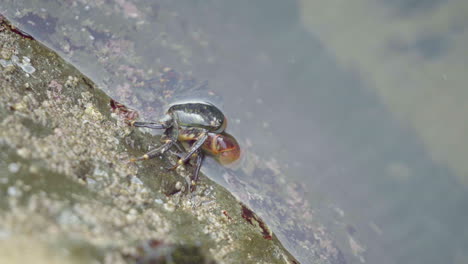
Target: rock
68 193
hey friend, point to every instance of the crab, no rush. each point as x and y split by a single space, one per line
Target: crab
200 128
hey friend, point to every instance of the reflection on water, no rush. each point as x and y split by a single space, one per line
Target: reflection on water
350 114
411 55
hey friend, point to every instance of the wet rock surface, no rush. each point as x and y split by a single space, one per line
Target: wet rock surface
69 195
146 54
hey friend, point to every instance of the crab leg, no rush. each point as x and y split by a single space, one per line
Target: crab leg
191 183
152 125
155 152
165 122
164 147
200 157
196 146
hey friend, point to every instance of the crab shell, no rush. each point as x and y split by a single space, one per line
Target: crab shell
198 114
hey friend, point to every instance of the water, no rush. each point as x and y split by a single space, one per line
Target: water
360 107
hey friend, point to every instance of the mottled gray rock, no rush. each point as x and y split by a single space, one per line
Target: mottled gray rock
69 195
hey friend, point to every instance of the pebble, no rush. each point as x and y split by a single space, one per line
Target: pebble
13 191
14 167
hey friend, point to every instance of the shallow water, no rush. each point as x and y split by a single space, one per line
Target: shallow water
364 122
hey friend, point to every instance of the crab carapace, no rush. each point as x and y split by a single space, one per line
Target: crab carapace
199 126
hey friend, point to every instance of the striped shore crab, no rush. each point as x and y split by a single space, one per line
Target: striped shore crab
200 128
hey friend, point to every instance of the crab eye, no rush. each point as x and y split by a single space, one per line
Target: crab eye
228 149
